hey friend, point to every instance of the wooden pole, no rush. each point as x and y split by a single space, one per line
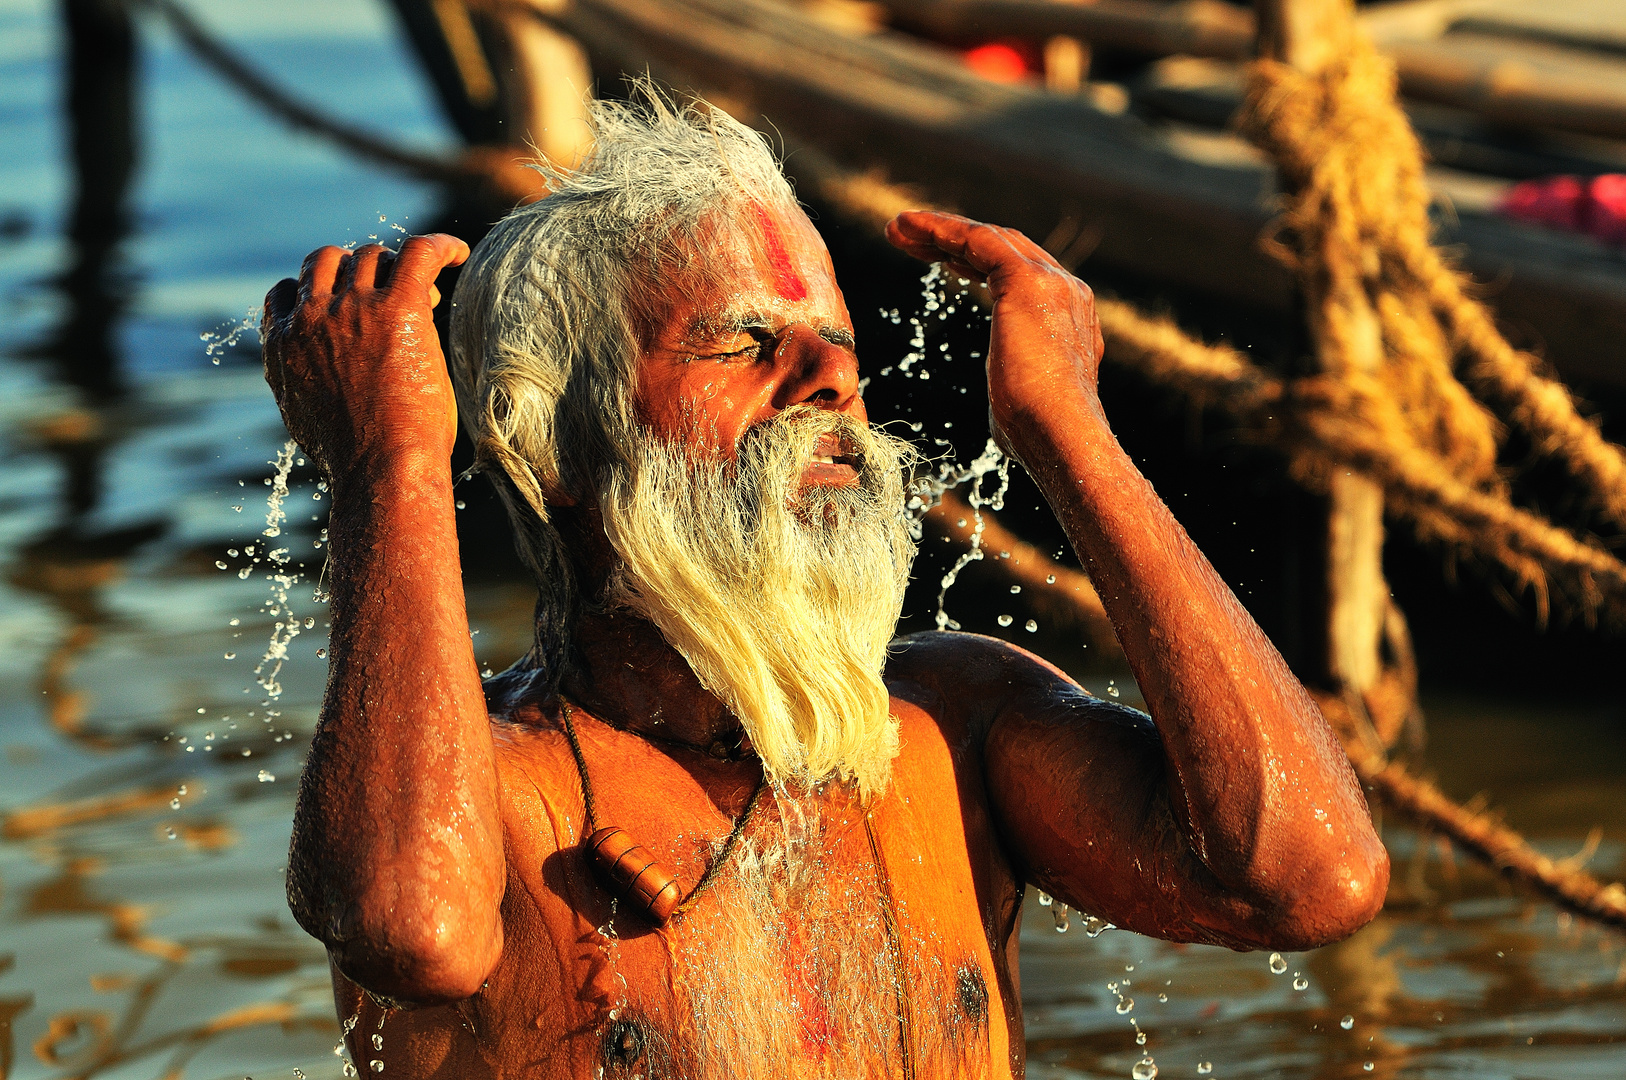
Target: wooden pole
548 83
1309 35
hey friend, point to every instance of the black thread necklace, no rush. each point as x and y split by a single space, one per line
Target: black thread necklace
631 869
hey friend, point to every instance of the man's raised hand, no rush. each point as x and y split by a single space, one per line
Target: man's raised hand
351 353
1044 348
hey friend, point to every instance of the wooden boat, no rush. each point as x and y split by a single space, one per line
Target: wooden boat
1147 169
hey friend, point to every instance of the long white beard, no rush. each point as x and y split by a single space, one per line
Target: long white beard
782 600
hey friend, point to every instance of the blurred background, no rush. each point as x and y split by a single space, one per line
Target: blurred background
161 623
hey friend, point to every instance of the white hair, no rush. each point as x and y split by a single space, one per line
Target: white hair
554 304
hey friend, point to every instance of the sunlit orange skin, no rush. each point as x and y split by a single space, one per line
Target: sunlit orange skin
435 847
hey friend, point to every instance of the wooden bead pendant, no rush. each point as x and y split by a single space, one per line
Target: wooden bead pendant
633 871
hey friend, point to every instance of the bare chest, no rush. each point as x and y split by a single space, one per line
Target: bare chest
836 942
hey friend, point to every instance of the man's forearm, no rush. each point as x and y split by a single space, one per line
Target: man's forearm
397 854
1258 781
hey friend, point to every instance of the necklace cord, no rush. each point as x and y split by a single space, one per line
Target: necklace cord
725 853
581 769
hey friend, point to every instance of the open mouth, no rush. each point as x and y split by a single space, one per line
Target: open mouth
834 461
854 460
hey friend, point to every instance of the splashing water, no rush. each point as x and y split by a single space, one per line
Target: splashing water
282 580
226 335
936 300
992 460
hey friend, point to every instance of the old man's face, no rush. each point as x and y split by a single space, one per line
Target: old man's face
762 526
756 327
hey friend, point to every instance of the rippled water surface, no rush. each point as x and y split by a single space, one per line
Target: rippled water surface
146 780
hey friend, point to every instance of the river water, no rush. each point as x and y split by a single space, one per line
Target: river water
147 777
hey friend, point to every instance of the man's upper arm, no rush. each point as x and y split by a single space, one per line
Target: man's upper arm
1079 789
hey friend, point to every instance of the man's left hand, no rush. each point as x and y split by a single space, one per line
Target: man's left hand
1044 348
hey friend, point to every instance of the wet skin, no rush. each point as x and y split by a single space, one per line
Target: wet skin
434 842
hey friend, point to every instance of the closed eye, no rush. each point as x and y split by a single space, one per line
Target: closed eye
760 340
835 335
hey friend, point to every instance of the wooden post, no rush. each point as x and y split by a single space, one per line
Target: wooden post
548 85
1309 35
503 74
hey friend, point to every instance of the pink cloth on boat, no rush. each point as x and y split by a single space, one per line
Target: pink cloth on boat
1595 206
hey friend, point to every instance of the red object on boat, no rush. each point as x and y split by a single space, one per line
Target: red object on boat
1000 61
1608 205
1595 206
1554 201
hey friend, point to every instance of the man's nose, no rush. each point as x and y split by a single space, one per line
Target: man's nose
817 372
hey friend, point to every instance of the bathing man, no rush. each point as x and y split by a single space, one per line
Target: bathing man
659 374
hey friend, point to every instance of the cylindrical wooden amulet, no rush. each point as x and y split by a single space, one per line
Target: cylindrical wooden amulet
647 885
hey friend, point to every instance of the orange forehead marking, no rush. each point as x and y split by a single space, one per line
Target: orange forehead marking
787 282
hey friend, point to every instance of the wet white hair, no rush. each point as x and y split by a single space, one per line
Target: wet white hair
553 305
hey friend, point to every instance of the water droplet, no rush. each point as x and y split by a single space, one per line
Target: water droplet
1204 1068
231 656
1347 1022
349 1069
378 1041
1145 1069
242 575
1015 589
1301 983
1277 964
461 504
1366 1067
309 622
169 832
1094 927
299 1074
219 564
960 524
1005 620
266 777
376 1065
1031 626
1163 998
1050 579
1124 1005
1045 899
321 653
174 804
1140 1038
1112 689
181 790
234 622
208 736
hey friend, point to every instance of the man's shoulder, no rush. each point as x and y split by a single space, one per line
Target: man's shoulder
953 660
966 681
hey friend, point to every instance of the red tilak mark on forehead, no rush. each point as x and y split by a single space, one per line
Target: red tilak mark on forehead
786 281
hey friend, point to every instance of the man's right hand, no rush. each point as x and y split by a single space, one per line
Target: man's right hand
351 353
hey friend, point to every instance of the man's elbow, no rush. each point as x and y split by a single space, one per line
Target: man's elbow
431 959
1332 901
